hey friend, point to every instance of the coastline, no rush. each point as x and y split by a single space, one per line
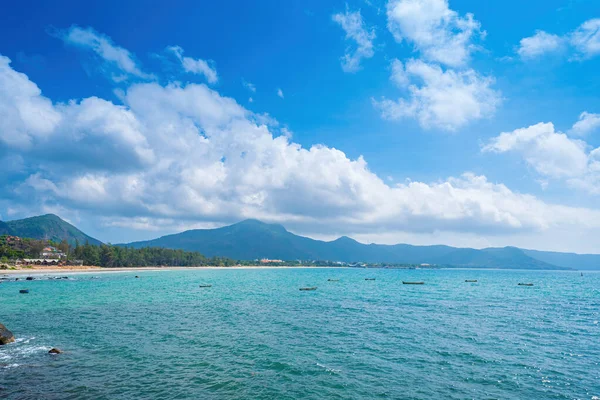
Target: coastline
93 269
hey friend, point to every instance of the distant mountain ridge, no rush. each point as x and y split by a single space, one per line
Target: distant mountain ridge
252 239
48 227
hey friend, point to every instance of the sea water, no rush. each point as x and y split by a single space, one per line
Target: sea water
254 335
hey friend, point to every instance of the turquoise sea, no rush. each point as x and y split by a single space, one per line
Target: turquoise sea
254 335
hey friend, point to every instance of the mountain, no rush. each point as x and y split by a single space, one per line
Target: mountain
49 227
252 239
5 229
567 260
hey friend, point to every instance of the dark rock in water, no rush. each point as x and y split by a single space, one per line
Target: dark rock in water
6 336
54 350
137 276
29 278
24 291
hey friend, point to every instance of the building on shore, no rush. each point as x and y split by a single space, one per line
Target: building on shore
269 261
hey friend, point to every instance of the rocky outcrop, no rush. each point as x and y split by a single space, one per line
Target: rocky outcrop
6 336
54 350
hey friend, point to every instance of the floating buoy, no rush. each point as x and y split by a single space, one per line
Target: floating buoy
369 279
333 280
308 288
471 280
525 284
412 283
205 286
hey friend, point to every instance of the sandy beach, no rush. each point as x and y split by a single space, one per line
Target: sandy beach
38 269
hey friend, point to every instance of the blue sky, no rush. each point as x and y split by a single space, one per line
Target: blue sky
423 121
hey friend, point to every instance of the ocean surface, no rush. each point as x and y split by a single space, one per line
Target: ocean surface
254 335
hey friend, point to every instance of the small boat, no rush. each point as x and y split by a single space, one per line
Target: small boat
412 283
205 286
471 280
308 288
24 291
333 280
369 279
525 284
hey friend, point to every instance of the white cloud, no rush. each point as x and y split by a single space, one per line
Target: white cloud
539 44
549 152
438 32
587 123
553 155
444 99
442 91
280 93
352 23
104 47
584 42
195 66
250 86
186 154
24 113
586 38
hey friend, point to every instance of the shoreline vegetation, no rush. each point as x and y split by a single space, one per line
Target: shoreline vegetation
26 254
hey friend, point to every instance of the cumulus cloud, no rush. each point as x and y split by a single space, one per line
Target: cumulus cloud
186 154
280 93
352 23
586 38
105 135
195 66
444 99
439 33
587 123
441 91
583 42
105 48
24 113
553 155
539 44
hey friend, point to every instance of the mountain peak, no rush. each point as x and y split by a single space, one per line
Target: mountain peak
344 239
255 223
49 227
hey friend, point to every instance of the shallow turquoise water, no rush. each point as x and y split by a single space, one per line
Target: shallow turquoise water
254 335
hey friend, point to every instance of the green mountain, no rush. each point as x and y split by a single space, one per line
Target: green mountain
251 239
49 227
5 229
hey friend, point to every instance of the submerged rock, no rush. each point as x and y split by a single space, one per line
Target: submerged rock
6 336
54 350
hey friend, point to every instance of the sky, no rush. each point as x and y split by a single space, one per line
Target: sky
458 122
